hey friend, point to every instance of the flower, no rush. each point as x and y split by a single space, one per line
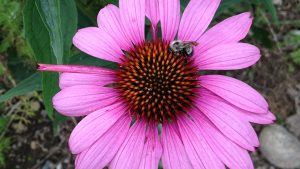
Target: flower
204 119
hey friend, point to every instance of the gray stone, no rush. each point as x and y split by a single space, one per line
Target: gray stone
48 165
277 2
280 147
293 124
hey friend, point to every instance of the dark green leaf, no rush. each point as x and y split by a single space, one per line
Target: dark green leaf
49 11
84 59
38 36
5 144
262 36
68 25
3 123
17 67
272 10
84 20
183 4
30 84
49 28
105 2
226 4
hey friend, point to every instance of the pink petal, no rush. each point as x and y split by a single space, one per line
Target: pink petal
196 18
133 19
169 11
98 43
105 148
152 149
93 126
228 57
174 155
230 30
266 118
83 99
152 12
130 153
232 155
234 127
235 92
73 69
109 20
73 79
197 148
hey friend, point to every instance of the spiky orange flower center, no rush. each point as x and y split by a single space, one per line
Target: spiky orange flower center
155 83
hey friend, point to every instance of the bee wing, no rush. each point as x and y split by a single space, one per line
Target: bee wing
189 44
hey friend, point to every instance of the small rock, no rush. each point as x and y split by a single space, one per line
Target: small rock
19 127
48 165
35 106
33 145
280 148
293 124
59 166
277 2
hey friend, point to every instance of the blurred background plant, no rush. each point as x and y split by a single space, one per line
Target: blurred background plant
28 34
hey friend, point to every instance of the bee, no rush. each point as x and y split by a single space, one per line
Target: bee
182 48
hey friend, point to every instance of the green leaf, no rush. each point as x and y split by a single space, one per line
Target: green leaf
84 59
30 84
272 10
60 18
49 28
69 23
261 35
2 69
105 2
226 4
38 36
295 56
5 144
183 4
49 11
3 122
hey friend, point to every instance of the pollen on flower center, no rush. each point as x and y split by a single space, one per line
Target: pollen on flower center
156 84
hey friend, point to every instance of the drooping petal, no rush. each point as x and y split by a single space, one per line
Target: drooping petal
73 69
234 127
228 57
109 19
93 126
98 43
169 14
74 79
267 118
174 155
196 18
230 30
152 12
104 149
197 148
81 100
259 118
232 155
235 92
152 149
130 153
133 19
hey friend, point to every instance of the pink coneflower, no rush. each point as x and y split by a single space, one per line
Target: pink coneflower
156 105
